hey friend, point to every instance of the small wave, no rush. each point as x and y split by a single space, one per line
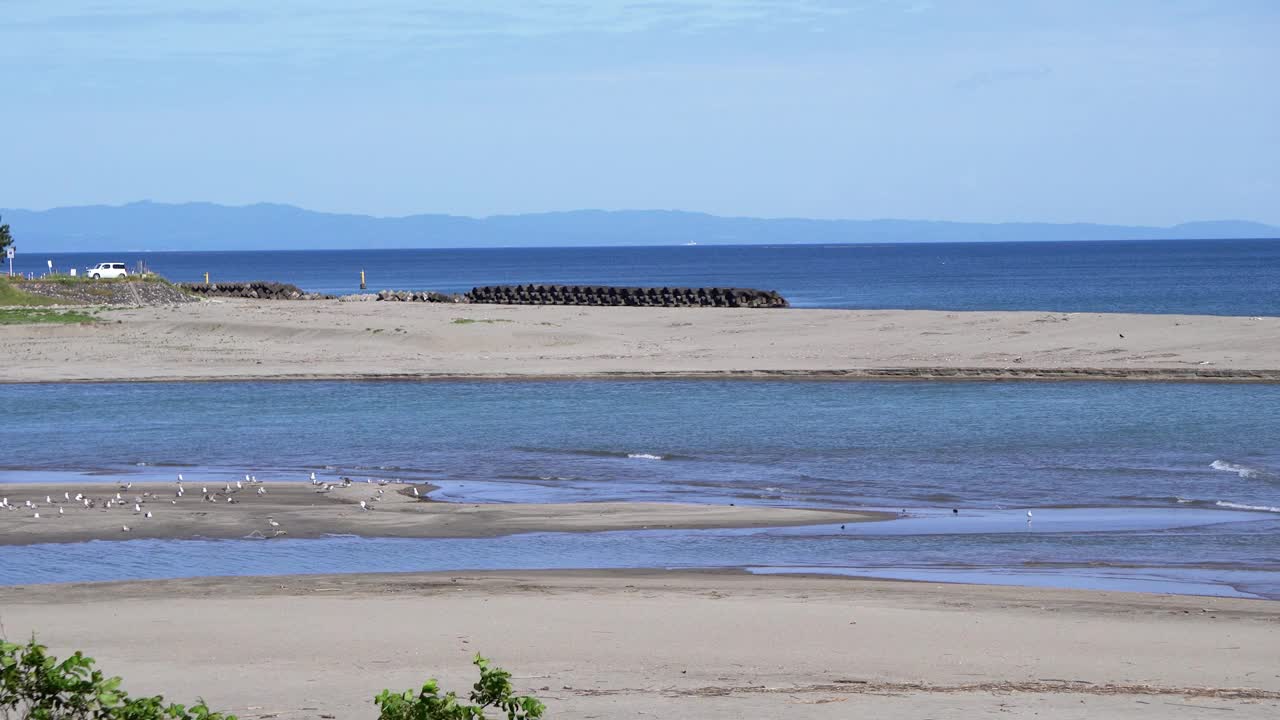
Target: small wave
586 452
1242 506
1244 471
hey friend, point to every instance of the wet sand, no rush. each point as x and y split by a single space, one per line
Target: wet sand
281 340
625 644
301 512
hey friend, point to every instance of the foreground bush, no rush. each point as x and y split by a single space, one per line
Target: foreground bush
493 690
36 686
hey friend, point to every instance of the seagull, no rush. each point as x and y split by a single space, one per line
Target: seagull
48 500
272 523
124 528
148 514
239 486
313 478
66 496
118 496
179 478
415 492
36 516
205 490
137 508
1028 517
262 491
363 505
60 511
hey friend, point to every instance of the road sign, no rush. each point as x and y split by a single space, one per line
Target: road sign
9 252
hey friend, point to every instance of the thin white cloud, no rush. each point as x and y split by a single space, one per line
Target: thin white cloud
47 32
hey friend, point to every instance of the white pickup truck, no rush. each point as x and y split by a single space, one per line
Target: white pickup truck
107 270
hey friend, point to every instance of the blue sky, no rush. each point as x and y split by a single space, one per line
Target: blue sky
1114 111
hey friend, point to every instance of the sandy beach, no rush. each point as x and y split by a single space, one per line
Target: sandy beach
298 511
670 644
243 339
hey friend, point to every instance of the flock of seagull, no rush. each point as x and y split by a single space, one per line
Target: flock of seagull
227 493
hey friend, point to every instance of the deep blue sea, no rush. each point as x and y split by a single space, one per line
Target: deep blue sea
1147 486
1217 277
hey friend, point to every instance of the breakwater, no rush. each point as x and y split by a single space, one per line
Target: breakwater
597 295
628 296
256 290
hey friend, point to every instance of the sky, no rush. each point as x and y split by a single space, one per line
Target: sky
1130 112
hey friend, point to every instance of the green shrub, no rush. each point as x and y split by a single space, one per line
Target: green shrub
493 690
35 686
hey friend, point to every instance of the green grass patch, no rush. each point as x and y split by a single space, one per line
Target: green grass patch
472 321
62 279
43 316
12 295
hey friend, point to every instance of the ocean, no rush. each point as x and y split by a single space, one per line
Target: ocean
1169 487
1217 277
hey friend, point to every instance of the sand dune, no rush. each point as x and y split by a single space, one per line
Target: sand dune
231 339
670 644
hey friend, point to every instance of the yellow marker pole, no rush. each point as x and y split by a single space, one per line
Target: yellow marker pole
362 280
206 278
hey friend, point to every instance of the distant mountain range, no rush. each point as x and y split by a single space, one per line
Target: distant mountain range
206 226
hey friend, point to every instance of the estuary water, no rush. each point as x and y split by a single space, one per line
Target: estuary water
1169 487
1213 277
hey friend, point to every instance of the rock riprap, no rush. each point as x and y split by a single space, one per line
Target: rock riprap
256 290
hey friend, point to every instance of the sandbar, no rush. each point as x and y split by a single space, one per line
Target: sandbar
299 511
300 340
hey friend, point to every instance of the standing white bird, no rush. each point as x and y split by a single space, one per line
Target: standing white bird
1028 517
148 514
313 478
48 499
239 486
415 492
60 511
137 508
179 478
118 496
272 523
262 491
124 528
66 496
364 505
36 516
205 490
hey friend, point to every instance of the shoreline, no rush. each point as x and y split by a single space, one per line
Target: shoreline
904 374
245 340
301 513
711 644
